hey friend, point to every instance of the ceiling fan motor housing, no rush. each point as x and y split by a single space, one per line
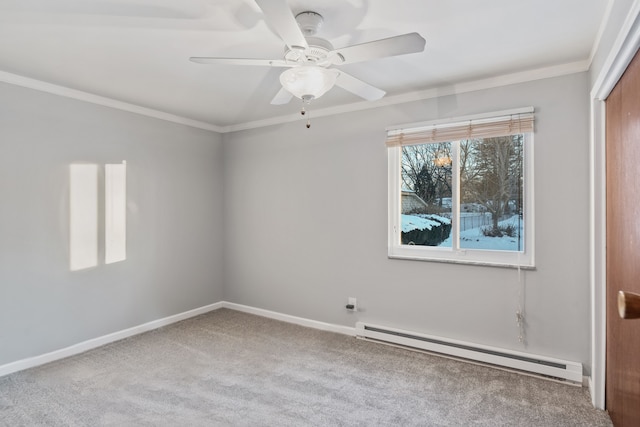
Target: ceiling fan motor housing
309 22
317 51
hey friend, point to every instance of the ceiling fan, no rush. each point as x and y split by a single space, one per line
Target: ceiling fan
309 58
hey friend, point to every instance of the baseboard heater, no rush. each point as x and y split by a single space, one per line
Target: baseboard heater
540 365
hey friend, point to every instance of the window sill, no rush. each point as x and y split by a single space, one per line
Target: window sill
482 263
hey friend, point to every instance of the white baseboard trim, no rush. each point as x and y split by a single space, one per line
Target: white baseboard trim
81 347
84 346
345 330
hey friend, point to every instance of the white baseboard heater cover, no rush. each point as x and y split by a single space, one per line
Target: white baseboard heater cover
559 369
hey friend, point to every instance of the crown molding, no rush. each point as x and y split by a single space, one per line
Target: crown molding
454 89
79 95
620 55
603 26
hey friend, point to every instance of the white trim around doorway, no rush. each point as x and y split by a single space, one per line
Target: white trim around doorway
622 52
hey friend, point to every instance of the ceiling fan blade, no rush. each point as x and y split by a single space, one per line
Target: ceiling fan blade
358 87
279 15
282 97
392 46
242 61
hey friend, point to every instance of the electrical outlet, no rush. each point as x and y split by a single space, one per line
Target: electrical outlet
352 304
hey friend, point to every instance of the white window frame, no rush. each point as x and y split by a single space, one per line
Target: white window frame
455 254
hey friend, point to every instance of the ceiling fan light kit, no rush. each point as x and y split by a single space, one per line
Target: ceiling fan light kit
308 58
308 82
317 51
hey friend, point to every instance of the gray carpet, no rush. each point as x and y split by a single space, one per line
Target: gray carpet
228 368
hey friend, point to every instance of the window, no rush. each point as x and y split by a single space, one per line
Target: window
462 190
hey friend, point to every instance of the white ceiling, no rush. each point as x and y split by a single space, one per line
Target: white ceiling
137 51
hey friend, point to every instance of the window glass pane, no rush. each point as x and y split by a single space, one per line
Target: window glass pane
426 194
491 193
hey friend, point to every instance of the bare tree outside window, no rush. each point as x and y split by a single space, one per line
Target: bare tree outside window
491 177
491 191
426 185
422 174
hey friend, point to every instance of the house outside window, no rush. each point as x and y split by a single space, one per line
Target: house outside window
461 190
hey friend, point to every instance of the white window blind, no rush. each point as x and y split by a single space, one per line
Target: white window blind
487 127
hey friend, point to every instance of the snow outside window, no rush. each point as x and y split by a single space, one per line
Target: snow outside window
466 200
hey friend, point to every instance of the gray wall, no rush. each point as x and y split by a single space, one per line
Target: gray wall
306 226
174 184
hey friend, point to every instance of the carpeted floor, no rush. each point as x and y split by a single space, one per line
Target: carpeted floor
228 368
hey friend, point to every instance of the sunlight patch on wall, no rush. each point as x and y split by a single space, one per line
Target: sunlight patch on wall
83 197
115 188
86 224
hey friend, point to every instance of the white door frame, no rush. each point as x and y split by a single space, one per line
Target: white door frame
622 52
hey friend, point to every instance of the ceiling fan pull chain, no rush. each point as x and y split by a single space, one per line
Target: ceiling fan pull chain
303 111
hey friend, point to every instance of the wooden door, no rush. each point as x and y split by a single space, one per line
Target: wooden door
622 390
